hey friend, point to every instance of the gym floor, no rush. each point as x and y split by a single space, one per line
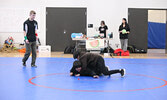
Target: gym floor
145 79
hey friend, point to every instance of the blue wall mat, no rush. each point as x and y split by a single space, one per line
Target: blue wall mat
156 35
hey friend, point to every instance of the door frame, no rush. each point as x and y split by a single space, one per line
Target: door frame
147 15
85 19
166 33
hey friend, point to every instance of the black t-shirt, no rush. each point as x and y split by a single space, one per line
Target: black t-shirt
103 30
127 28
29 27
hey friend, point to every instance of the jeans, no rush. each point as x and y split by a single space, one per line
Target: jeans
124 44
31 46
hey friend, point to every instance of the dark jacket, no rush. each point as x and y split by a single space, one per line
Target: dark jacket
87 72
127 28
74 71
89 61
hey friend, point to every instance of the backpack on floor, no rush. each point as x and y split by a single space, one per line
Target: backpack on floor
69 50
140 50
126 53
120 52
105 50
134 49
131 49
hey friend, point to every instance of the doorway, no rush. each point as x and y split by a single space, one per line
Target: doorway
60 23
147 29
156 29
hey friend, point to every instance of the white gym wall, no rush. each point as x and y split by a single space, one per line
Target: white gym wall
111 11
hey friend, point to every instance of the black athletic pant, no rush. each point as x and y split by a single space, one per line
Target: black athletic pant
103 69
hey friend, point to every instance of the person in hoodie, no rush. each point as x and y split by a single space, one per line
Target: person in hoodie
90 64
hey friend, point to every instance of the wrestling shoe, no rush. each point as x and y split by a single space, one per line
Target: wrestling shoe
33 65
108 67
122 72
24 64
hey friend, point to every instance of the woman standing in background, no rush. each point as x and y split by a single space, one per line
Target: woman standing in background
103 29
124 30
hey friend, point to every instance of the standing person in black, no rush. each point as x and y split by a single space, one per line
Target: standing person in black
90 64
103 29
30 27
124 30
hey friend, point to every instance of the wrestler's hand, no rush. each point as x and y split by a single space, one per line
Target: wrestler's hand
71 74
27 41
37 38
95 76
77 75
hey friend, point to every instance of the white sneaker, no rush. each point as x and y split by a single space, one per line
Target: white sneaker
108 67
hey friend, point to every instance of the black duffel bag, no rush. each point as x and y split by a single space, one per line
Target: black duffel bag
69 50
